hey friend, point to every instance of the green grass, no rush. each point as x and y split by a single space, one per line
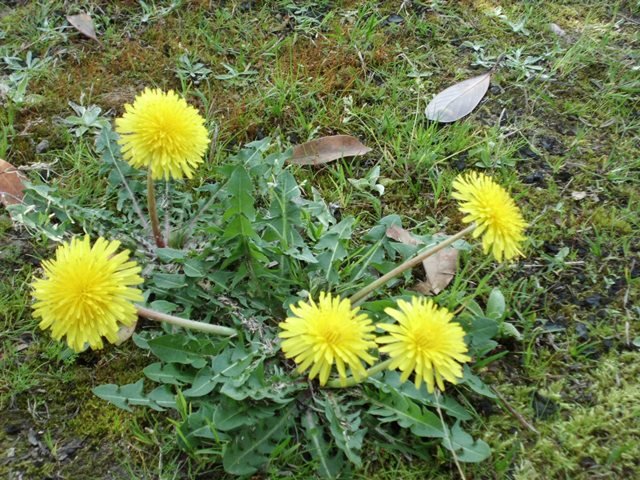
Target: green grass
324 68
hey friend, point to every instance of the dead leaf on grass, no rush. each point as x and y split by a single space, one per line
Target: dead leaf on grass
327 149
11 186
458 100
439 268
84 24
401 235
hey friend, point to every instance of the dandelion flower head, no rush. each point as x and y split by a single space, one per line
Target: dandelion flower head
86 292
329 332
162 132
499 219
424 342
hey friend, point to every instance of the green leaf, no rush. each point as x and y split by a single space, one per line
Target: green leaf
194 268
169 373
229 414
239 187
226 366
180 349
202 384
474 309
169 281
509 330
140 341
332 246
391 381
407 414
284 212
475 383
252 384
232 362
328 467
164 306
252 446
170 254
465 448
112 394
239 226
197 426
163 396
496 305
345 429
126 396
483 329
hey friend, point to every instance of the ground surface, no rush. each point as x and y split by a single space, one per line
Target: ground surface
559 127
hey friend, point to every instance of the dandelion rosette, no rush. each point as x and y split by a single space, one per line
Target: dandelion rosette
86 292
162 132
424 342
330 331
498 218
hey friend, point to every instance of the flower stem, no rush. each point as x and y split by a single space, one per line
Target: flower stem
359 296
153 211
351 381
185 323
167 215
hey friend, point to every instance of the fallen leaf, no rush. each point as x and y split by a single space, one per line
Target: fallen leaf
11 186
124 333
440 270
327 149
401 235
84 24
458 100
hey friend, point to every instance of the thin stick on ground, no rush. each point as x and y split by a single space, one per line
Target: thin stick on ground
511 409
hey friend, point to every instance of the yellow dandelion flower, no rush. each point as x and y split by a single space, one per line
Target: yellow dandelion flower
424 342
330 331
160 131
499 219
86 292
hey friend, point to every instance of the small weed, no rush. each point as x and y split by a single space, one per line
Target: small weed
85 120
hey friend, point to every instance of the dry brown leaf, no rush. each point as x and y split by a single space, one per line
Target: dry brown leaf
11 186
458 100
327 149
401 235
84 24
440 270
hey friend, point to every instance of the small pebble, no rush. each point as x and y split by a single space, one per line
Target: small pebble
582 331
394 19
43 146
